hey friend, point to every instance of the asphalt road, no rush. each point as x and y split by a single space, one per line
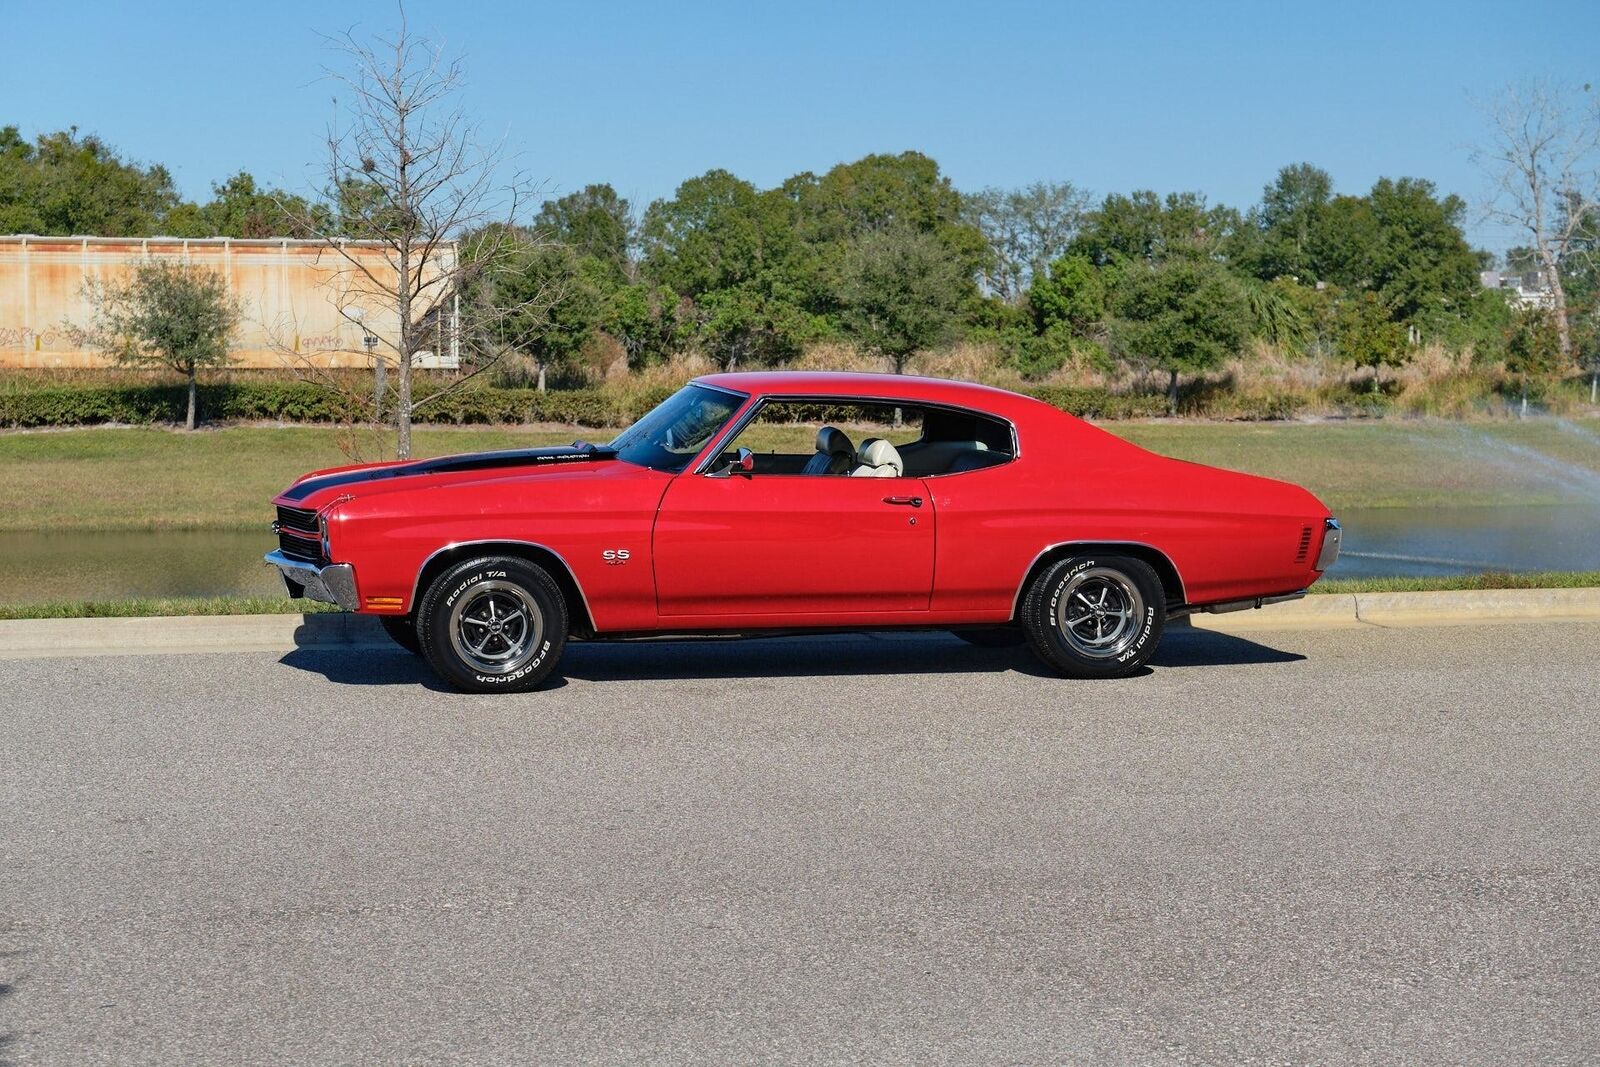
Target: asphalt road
1336 846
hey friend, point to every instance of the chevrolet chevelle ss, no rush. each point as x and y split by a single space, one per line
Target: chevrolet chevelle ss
958 507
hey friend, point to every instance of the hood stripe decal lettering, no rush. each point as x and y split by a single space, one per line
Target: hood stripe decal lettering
474 461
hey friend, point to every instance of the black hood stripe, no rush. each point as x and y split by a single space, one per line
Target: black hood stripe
474 461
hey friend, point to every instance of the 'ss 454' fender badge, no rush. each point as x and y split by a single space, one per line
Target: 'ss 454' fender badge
615 556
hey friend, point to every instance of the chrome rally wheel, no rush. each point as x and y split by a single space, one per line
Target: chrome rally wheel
1099 612
496 627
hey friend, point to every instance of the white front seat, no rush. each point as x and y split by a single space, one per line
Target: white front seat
878 459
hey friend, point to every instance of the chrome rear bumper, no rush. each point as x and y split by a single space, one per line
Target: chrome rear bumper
334 583
1332 536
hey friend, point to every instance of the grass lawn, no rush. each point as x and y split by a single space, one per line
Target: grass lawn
114 479
1399 463
1520 580
148 606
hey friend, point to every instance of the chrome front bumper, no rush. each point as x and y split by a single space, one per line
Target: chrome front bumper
1332 536
334 583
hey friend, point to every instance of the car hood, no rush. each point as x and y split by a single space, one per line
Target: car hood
321 487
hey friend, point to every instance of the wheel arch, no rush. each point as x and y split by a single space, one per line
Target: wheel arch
580 619
1159 561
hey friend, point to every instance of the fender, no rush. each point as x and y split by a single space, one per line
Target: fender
1022 582
416 583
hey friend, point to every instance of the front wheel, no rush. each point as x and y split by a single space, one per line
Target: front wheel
493 625
1095 616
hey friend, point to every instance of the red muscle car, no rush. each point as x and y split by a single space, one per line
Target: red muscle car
921 504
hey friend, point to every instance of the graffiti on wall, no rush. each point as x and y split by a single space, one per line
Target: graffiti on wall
28 337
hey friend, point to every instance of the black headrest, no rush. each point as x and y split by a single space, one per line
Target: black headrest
833 442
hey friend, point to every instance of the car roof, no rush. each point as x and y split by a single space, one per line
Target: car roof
873 387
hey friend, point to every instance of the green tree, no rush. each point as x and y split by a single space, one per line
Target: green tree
163 314
1184 316
1027 229
1533 350
831 213
727 247
1403 242
1278 311
240 208
550 302
739 326
901 292
65 184
594 222
1422 262
717 232
1366 333
644 318
1072 295
1289 216
1144 227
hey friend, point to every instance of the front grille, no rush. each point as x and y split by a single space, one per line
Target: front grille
297 546
1305 545
298 519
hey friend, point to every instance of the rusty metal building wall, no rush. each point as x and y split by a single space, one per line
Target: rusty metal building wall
290 293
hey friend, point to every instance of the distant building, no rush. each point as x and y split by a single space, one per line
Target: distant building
298 299
1529 289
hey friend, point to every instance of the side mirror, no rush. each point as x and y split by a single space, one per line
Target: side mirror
743 462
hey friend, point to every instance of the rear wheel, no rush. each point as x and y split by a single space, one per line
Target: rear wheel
402 630
493 625
1095 616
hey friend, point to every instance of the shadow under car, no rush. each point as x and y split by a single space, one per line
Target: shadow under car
795 656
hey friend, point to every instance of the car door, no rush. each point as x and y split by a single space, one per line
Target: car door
789 545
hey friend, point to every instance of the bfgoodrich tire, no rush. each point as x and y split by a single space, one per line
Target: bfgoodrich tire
402 630
1095 616
493 625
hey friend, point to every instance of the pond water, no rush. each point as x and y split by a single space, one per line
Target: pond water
1382 541
1431 541
72 565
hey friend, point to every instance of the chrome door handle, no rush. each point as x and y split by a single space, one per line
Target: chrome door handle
910 501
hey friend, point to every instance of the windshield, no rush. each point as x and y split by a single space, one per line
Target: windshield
675 431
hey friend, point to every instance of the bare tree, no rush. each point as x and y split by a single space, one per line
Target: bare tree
1544 161
1028 229
409 175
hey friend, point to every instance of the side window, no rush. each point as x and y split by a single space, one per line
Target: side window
881 439
955 441
827 438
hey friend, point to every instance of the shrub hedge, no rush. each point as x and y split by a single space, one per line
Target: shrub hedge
294 401
34 406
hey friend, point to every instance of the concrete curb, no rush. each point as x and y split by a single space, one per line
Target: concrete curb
1450 608
36 638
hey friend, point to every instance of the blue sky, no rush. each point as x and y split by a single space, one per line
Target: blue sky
1200 95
